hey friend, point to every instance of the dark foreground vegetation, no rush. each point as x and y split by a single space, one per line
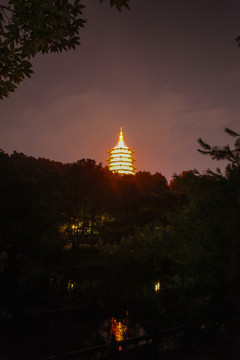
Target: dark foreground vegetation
75 237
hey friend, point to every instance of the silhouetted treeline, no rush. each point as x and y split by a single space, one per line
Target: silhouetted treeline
45 202
51 211
115 236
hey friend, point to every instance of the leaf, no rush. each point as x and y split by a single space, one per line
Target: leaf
231 132
203 144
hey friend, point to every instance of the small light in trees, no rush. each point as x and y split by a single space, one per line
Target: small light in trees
74 229
157 286
70 285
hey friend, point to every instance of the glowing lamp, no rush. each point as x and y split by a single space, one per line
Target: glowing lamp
157 286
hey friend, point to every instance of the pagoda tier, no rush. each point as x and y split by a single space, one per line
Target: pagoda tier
121 158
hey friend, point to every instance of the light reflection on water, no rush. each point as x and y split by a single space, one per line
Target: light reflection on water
120 328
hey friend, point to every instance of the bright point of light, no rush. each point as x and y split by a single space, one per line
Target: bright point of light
157 286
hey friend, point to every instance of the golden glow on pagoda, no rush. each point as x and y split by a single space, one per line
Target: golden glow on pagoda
121 159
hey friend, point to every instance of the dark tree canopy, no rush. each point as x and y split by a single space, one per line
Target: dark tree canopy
120 234
37 26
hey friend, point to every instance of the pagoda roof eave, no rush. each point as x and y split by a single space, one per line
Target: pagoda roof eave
129 149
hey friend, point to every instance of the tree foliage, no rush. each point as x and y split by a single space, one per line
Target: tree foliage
37 26
224 152
185 234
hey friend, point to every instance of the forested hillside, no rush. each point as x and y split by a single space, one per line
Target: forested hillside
76 233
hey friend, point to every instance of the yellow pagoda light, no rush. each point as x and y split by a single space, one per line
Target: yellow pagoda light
121 158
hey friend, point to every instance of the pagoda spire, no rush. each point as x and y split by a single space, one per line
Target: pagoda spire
121 143
121 159
121 134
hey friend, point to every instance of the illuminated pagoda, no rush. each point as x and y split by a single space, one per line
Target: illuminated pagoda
121 158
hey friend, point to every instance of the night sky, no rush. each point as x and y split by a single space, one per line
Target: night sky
168 72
